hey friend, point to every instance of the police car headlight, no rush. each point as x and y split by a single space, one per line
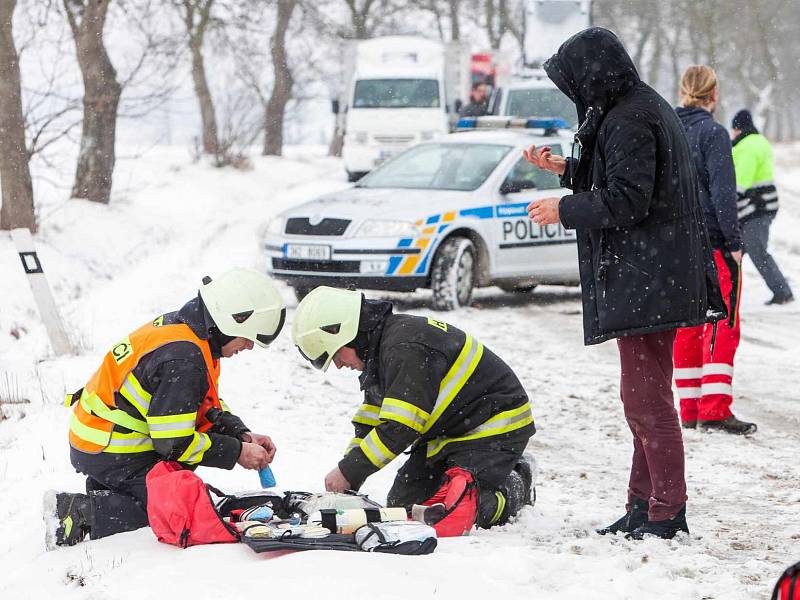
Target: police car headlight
428 135
275 226
379 228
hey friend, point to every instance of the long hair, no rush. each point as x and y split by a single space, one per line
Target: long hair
697 85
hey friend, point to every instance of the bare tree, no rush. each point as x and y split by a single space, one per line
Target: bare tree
283 81
17 209
100 100
196 15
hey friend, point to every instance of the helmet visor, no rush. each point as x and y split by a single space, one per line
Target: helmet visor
317 363
265 339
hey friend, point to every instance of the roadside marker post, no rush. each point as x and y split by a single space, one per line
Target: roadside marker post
41 291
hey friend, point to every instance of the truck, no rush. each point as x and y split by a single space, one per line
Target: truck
398 91
548 24
529 92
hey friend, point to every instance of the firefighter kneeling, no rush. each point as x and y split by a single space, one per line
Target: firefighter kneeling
435 388
155 398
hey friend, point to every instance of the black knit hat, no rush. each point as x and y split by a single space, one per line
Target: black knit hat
743 121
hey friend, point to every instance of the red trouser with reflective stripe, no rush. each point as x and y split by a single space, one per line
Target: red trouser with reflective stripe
704 382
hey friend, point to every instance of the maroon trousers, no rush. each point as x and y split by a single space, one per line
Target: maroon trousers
657 472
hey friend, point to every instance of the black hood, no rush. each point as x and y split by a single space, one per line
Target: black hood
595 71
195 315
370 329
743 121
691 116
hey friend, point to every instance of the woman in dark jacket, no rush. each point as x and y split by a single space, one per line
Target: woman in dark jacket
643 254
704 379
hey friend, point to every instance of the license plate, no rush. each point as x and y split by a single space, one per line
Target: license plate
308 252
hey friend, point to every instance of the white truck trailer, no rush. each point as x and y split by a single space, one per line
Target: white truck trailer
398 91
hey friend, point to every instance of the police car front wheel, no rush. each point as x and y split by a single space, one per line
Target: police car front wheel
453 274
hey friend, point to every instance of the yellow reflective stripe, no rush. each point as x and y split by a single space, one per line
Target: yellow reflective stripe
501 505
367 415
353 444
129 443
172 426
224 406
196 449
394 409
93 404
375 450
504 422
456 377
134 393
90 434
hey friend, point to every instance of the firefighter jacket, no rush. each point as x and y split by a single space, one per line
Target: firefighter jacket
427 382
156 392
752 157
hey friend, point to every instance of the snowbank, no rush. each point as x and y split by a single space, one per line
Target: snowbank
171 222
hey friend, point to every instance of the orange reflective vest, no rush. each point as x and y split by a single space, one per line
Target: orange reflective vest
95 411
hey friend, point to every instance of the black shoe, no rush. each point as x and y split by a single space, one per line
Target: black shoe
68 518
780 300
689 424
729 425
666 530
635 517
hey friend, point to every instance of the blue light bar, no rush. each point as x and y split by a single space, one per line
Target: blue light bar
547 123
467 123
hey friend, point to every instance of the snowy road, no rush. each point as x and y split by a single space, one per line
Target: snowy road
190 220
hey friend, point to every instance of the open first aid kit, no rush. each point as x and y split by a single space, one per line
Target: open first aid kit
184 511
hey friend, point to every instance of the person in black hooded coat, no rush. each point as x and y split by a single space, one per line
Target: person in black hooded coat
645 261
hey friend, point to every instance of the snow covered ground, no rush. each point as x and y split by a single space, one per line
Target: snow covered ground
171 222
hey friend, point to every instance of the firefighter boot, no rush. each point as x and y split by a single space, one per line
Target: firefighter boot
635 517
68 518
496 507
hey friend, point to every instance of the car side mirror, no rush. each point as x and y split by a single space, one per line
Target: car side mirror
335 106
511 186
457 105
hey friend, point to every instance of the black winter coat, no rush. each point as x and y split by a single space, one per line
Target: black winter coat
644 257
713 160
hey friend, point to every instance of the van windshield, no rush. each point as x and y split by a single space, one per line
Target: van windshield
396 93
542 102
462 167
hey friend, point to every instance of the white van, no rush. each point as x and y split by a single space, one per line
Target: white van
400 90
536 95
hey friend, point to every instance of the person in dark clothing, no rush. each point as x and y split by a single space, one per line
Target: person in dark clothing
155 398
478 101
704 378
427 385
758 201
644 257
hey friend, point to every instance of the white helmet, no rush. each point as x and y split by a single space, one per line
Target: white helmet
325 320
245 303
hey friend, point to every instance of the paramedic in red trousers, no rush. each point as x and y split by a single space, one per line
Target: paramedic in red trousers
155 398
428 386
704 381
644 260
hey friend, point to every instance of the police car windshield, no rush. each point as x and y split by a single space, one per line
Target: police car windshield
542 101
462 167
396 93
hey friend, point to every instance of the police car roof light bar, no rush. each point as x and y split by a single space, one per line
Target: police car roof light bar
551 125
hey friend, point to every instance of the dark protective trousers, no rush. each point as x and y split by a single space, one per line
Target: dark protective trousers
657 469
755 235
116 486
490 462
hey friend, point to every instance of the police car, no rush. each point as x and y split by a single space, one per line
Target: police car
449 215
